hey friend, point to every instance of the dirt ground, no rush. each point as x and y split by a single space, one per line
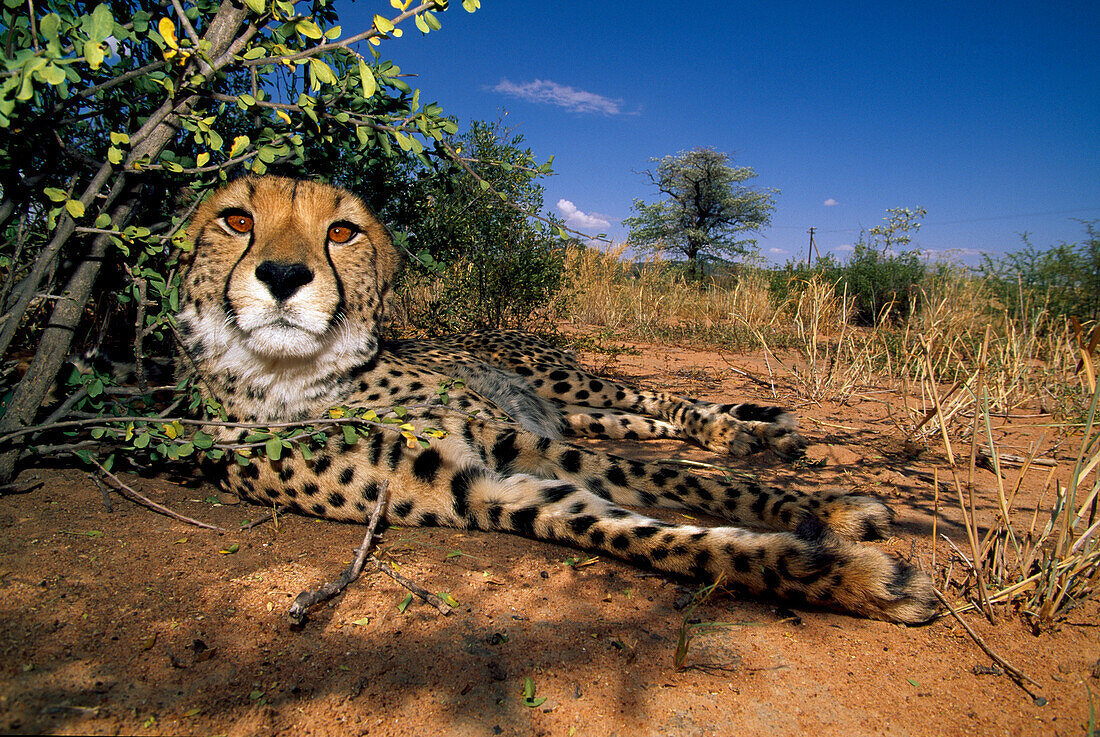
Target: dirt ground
126 622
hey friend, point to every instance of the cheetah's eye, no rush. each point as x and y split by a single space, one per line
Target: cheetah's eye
342 232
239 222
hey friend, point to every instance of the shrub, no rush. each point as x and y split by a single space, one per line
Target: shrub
1064 279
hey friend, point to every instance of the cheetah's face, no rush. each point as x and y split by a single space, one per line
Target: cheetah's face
292 268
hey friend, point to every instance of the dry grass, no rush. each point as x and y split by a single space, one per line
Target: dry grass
654 301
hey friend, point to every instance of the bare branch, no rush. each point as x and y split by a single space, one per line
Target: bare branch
312 597
145 501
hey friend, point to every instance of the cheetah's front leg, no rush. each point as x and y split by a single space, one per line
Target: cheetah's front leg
735 429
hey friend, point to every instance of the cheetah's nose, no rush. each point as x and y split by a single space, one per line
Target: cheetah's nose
283 280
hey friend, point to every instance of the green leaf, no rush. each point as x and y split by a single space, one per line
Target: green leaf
239 144
320 73
351 436
114 155
256 6
99 25
405 603
103 221
231 549
52 75
382 24
366 78
55 194
529 698
274 448
49 26
471 5
75 208
309 29
93 54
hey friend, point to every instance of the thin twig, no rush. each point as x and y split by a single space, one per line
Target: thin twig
1013 672
274 515
312 597
145 501
443 607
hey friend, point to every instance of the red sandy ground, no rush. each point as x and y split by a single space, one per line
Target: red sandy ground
126 622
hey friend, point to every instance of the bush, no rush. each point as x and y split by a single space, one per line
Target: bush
1064 279
488 264
885 286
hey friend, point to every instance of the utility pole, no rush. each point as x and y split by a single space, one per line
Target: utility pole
810 251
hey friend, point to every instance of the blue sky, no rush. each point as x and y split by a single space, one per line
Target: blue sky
985 114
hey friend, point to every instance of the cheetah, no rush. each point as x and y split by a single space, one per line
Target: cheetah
283 302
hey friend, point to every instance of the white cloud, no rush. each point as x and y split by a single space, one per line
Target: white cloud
552 93
575 218
777 251
845 247
830 202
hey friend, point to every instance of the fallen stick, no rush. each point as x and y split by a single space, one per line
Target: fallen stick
312 597
1013 672
145 501
1011 460
443 607
274 515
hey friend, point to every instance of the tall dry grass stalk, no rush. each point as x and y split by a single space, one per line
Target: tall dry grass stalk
1045 572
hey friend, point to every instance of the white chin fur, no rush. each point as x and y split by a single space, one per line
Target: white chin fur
283 341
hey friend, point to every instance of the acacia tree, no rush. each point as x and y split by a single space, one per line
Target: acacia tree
110 112
897 229
706 211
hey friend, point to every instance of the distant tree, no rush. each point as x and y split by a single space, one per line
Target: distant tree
883 272
897 228
706 211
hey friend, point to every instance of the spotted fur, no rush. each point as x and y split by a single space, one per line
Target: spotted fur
284 296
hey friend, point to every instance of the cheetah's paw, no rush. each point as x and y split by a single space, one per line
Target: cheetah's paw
742 429
852 516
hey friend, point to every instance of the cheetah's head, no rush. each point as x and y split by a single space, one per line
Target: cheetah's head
285 270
